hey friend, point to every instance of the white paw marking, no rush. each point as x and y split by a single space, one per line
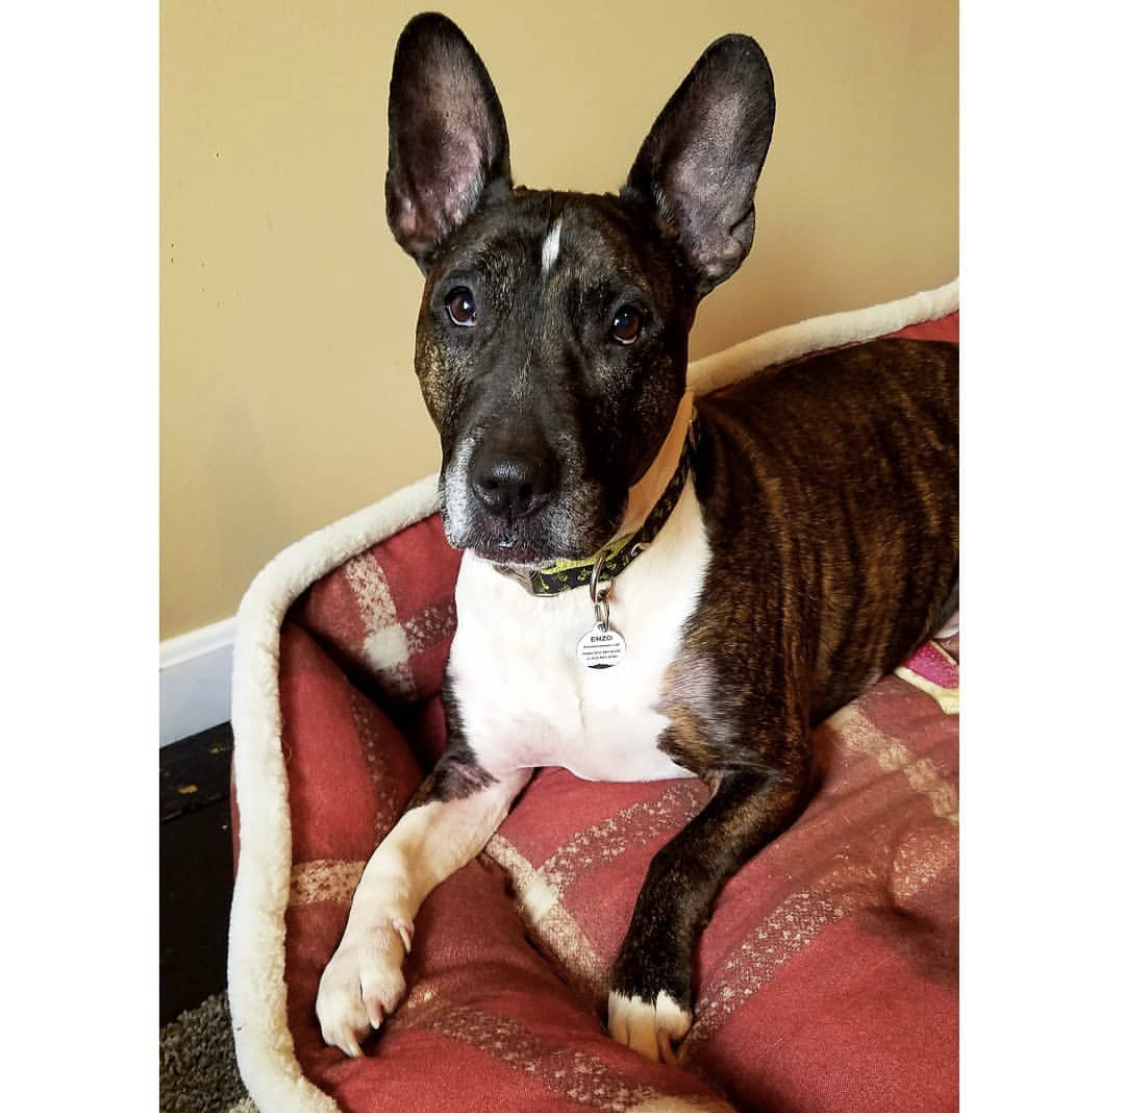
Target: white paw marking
951 627
649 1029
363 983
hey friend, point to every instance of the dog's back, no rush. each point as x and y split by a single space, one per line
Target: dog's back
834 485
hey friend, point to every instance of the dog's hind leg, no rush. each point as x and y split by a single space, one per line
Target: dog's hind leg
950 621
650 987
451 817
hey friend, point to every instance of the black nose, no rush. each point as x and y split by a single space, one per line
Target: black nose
511 484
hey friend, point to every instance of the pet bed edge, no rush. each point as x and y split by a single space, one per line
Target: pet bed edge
256 951
815 334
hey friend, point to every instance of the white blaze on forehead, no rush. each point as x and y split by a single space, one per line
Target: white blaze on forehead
551 245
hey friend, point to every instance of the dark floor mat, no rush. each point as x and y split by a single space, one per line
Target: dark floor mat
196 870
195 772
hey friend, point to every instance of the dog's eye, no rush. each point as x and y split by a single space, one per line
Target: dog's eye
626 325
461 308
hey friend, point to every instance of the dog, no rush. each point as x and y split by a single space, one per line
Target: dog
652 586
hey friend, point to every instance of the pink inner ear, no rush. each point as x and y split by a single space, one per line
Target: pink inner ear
457 189
700 199
429 207
405 218
410 227
717 255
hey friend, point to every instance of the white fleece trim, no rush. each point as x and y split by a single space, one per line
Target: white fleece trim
256 963
256 953
818 333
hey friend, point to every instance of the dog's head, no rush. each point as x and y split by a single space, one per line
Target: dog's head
551 344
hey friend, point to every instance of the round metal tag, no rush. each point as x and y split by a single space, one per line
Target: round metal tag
601 647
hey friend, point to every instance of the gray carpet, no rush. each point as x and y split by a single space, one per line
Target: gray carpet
198 1072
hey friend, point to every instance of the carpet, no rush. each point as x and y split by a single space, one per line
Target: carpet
198 1071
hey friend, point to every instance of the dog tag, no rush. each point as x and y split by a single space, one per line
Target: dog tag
601 647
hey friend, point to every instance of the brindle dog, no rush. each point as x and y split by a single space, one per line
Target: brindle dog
756 559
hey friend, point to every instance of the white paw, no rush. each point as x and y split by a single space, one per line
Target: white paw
363 983
648 1028
951 627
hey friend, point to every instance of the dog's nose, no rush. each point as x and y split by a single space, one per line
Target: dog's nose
512 484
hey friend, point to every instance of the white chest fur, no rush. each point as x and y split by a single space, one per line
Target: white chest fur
527 701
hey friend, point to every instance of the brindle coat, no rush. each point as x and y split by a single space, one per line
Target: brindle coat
830 488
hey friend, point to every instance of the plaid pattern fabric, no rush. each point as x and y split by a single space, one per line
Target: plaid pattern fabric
826 978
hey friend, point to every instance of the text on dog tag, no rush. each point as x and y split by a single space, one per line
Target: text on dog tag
601 647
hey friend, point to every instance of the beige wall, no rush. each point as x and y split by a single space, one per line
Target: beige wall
288 397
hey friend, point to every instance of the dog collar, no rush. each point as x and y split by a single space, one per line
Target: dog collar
615 557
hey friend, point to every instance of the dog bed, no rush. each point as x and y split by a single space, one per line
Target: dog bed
826 978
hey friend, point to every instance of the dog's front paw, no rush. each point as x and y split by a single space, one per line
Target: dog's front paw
649 1027
363 983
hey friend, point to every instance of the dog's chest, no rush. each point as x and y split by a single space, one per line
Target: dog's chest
524 698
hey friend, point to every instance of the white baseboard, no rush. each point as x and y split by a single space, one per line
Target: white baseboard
195 671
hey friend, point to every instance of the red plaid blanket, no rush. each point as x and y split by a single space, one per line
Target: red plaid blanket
827 977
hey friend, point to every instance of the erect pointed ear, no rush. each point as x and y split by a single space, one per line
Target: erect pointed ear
448 140
698 169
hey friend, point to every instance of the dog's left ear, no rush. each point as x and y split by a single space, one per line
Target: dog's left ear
448 140
698 169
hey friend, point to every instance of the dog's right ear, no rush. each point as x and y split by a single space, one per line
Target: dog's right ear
448 140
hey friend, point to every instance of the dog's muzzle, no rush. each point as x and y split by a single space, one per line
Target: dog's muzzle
509 482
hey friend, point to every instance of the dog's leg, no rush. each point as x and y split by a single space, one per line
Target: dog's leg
650 987
950 621
448 822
